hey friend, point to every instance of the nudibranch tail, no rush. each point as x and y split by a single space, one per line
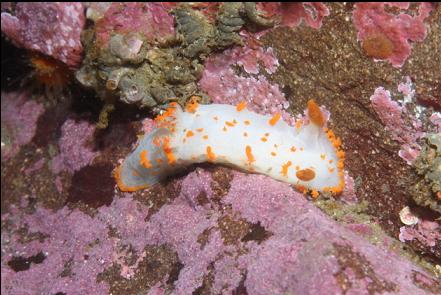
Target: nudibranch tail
309 156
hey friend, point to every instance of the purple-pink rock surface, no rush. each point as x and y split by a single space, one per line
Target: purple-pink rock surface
300 250
19 115
76 148
50 28
151 20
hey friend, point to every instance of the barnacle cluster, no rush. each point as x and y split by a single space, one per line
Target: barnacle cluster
136 70
427 191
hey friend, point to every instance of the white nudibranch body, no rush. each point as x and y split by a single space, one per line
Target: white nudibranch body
307 155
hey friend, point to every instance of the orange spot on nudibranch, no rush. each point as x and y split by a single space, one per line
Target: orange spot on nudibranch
293 149
264 139
285 168
298 124
157 141
341 154
224 129
305 174
205 137
314 194
168 151
241 106
231 124
322 156
192 104
210 155
274 119
340 165
189 133
249 154
215 118
144 160
273 154
300 188
200 129
169 112
246 122
245 134
315 114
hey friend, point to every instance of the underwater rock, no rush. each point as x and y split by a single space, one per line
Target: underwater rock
75 147
126 60
19 116
279 242
50 28
386 36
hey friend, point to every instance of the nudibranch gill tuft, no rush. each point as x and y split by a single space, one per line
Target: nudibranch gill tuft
309 155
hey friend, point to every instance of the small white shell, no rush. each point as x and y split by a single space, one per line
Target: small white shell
407 217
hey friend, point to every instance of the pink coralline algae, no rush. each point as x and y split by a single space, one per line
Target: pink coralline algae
385 35
19 115
75 248
75 147
223 85
426 232
50 28
300 255
151 20
390 113
403 127
292 14
304 251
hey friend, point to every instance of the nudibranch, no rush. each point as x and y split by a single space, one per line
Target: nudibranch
308 155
